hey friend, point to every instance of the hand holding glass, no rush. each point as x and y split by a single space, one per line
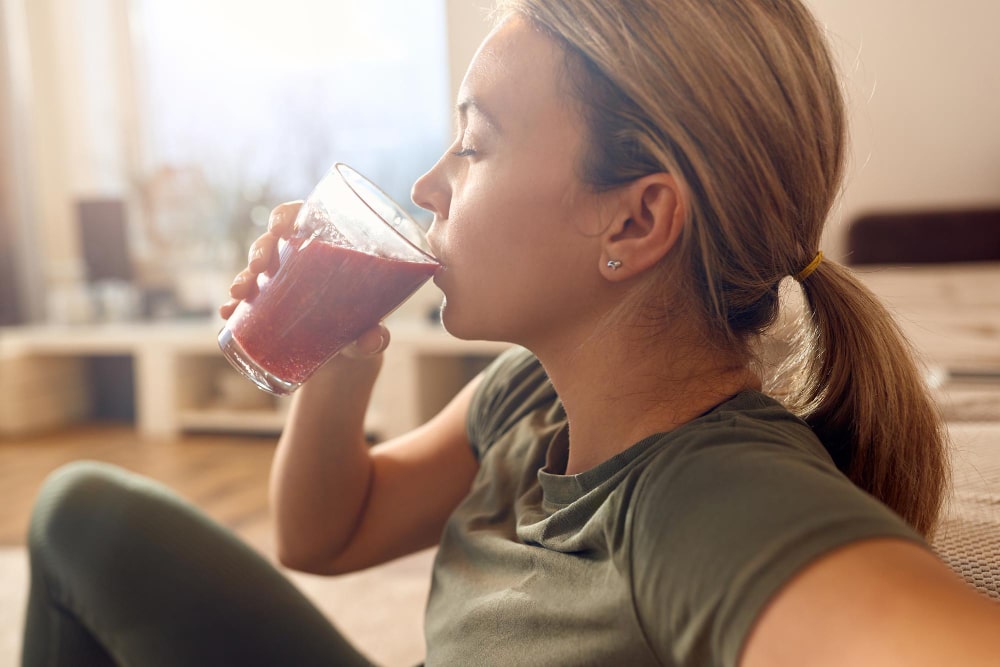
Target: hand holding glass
353 258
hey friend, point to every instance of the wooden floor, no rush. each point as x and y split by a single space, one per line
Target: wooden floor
224 475
227 478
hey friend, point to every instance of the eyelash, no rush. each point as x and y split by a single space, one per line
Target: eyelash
465 152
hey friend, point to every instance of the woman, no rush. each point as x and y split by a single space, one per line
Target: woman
631 183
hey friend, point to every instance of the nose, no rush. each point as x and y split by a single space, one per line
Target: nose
431 191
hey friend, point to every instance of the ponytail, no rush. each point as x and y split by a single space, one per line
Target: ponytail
855 381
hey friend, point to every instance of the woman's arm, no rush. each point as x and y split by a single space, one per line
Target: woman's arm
881 603
342 506
338 504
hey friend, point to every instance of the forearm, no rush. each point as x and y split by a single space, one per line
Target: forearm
322 469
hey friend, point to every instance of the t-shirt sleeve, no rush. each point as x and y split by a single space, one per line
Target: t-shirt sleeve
513 385
723 524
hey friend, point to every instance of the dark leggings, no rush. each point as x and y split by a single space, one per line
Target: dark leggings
124 572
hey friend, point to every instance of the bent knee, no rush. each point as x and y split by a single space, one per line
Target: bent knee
77 499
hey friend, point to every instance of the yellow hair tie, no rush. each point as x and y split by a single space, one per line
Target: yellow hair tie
809 270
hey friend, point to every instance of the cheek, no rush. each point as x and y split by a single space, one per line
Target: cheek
505 219
483 226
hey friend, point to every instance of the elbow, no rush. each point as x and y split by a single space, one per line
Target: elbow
303 547
301 558
295 560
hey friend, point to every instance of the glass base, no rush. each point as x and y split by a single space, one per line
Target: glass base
241 361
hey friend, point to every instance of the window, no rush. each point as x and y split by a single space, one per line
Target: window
244 105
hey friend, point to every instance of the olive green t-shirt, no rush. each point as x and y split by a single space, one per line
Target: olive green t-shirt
663 555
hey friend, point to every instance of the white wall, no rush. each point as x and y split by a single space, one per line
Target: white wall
924 102
468 24
924 99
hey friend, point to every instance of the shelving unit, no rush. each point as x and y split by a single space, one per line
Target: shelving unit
182 383
231 421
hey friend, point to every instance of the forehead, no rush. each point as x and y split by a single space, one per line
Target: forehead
518 76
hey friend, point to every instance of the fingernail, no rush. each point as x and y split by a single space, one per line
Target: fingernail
273 219
256 254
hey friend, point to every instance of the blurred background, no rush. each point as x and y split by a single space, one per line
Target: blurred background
145 142
142 147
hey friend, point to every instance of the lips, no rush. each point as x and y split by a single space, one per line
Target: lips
439 275
437 255
442 273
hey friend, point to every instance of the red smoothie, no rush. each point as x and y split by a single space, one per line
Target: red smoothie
321 298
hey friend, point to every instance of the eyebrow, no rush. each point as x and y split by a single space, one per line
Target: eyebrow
469 105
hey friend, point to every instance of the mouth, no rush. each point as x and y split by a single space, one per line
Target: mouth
441 275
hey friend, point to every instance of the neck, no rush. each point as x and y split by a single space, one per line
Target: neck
620 389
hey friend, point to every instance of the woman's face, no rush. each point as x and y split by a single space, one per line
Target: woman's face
516 229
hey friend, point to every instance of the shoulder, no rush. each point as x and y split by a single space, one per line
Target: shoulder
740 499
750 435
750 447
513 387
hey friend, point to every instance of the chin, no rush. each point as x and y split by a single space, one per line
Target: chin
451 322
465 326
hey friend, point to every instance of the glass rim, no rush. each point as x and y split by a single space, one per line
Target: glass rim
342 167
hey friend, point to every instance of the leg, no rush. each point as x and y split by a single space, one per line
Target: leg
124 572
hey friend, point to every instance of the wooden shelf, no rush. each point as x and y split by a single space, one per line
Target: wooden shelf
232 421
178 372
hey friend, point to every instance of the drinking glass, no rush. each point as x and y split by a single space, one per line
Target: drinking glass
354 256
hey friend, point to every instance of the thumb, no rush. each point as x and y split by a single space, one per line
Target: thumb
370 343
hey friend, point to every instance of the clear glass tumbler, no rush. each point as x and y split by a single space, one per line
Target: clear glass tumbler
354 257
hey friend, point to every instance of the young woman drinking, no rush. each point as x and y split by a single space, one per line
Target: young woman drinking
631 183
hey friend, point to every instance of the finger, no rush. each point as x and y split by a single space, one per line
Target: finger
282 220
244 285
261 253
370 343
226 309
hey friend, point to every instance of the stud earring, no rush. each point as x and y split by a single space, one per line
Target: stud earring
614 264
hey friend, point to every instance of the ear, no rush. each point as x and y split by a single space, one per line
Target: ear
651 214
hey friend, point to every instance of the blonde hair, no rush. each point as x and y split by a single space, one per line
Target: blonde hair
740 101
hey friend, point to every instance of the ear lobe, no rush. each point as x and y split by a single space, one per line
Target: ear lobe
652 213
